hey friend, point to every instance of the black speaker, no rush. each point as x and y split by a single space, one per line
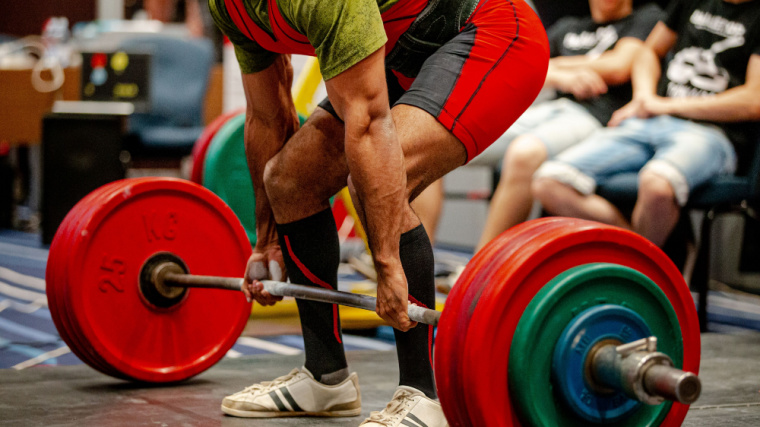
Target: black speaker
80 152
6 187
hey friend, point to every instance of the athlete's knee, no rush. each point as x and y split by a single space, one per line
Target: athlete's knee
278 182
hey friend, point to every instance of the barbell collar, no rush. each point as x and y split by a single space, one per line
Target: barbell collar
643 374
283 289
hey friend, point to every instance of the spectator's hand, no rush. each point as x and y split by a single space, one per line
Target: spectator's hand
642 108
393 298
583 83
266 262
631 109
657 106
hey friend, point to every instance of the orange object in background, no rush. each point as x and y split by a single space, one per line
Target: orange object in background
23 107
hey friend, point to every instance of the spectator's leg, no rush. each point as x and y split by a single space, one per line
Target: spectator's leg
554 127
428 206
512 200
656 212
686 155
566 185
561 199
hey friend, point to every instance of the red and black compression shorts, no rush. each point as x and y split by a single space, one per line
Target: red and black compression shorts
479 82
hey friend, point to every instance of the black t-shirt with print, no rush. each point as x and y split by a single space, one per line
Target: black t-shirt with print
715 42
572 36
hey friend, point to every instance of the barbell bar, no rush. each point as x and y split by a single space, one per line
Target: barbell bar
119 269
169 274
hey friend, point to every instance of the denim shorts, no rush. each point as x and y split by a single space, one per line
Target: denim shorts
685 153
559 124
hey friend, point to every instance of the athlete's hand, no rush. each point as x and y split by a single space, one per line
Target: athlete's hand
583 83
266 262
393 297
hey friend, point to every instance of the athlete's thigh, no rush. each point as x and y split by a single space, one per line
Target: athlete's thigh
470 91
430 150
479 83
312 163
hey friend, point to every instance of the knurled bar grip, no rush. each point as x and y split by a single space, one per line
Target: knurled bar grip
283 289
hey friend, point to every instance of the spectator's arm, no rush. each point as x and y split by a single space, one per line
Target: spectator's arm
738 104
646 70
583 83
613 66
645 74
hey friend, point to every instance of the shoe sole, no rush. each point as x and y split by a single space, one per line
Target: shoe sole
278 414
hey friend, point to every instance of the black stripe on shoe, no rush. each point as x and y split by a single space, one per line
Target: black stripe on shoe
406 422
289 398
416 420
278 401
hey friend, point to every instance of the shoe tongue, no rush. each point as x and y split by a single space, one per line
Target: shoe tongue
306 371
411 390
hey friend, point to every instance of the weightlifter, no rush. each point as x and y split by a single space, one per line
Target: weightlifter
415 89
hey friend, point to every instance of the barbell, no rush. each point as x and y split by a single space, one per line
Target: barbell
556 322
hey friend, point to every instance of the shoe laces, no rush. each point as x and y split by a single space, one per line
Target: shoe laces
275 383
393 409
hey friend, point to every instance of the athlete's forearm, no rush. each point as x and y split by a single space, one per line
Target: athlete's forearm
270 120
374 157
376 162
262 142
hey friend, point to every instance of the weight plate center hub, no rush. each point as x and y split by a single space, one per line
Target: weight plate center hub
571 365
155 293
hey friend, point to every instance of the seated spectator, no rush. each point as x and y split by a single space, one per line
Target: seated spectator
590 68
688 122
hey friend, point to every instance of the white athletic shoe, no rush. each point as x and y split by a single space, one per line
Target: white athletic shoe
409 407
296 394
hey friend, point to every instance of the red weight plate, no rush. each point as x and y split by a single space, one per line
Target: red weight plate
55 283
459 308
565 244
145 218
201 144
52 279
117 188
90 205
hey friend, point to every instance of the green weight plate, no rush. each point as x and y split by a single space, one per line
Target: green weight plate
553 308
225 172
